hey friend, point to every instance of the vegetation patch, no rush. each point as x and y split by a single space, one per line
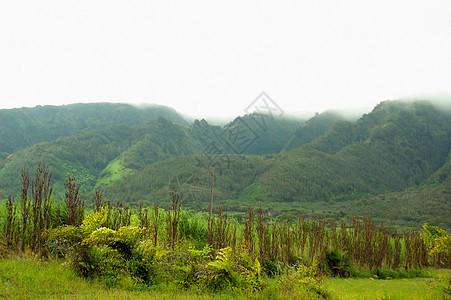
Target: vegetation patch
112 172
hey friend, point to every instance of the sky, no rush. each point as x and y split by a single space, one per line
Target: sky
214 58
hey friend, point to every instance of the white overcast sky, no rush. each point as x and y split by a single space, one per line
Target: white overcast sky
212 58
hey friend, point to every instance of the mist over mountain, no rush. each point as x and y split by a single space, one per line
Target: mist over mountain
23 127
392 162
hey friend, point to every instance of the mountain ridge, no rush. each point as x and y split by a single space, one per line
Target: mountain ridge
23 127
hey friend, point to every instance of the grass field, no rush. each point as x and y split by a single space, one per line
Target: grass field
32 279
357 288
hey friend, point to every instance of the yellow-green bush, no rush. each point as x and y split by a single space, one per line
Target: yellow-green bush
304 283
231 270
437 239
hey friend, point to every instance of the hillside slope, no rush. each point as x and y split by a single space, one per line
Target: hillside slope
118 148
396 146
429 202
392 163
313 128
24 127
100 157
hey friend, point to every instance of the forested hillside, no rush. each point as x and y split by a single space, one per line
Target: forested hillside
392 163
23 127
96 156
101 156
427 202
397 146
313 128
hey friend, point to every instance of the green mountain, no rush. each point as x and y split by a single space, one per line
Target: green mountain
392 163
256 134
24 127
396 147
100 157
313 128
428 202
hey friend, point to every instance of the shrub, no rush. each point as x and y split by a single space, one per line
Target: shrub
304 283
337 263
443 284
386 273
231 270
355 272
94 221
438 243
272 268
198 258
65 239
117 252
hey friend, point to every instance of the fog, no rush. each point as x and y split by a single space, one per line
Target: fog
211 58
441 100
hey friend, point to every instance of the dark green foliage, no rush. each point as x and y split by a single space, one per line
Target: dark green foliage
87 154
66 240
387 274
273 268
337 262
343 169
272 133
20 128
194 226
313 128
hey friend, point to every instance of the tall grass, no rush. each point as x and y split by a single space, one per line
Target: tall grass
179 246
367 244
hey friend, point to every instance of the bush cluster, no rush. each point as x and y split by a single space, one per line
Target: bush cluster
129 255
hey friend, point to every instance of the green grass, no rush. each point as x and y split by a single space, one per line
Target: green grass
25 278
359 288
31 279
